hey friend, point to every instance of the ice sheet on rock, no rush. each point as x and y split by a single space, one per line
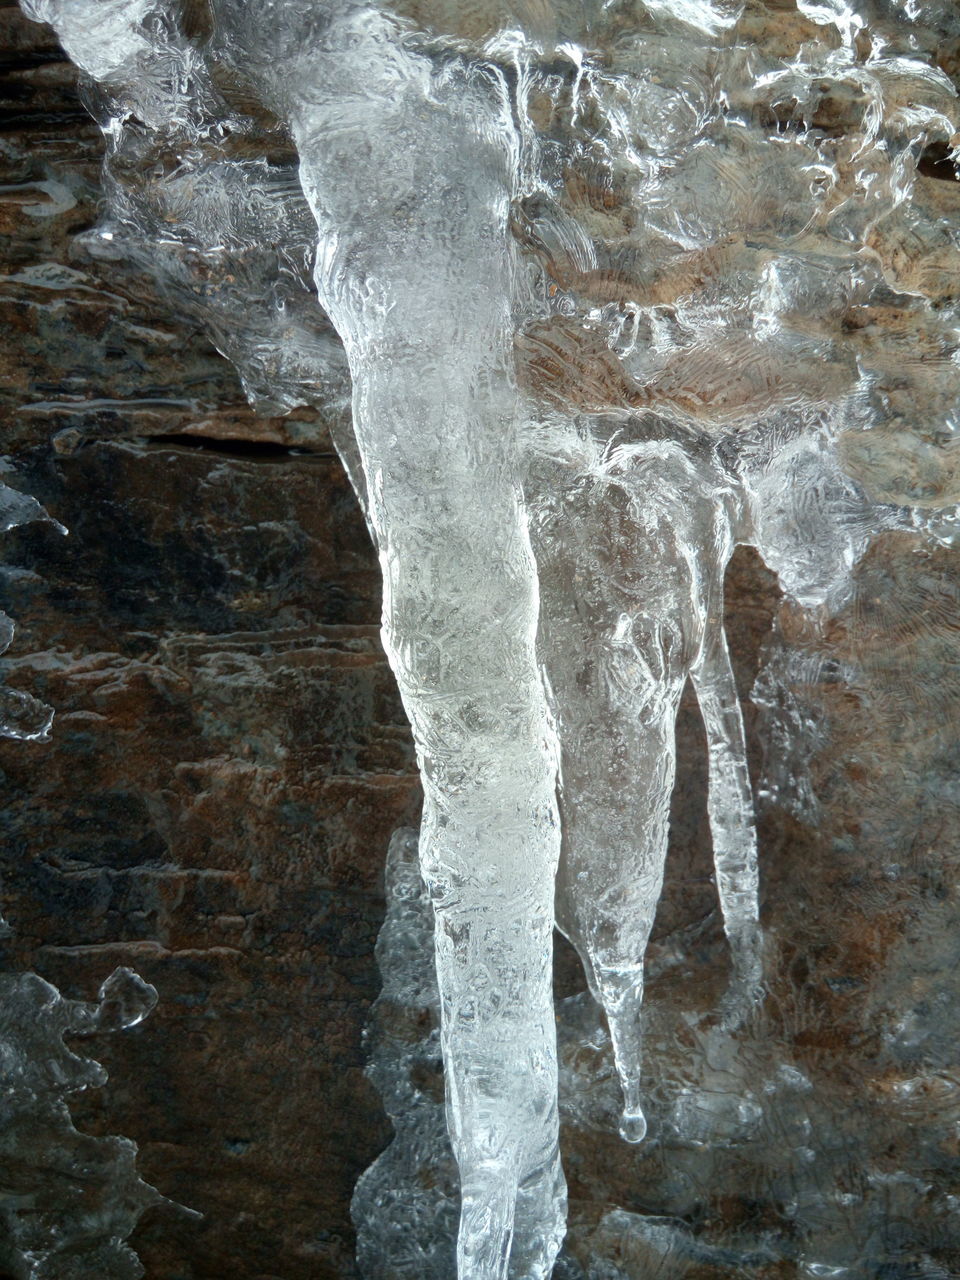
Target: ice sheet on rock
22 715
68 1200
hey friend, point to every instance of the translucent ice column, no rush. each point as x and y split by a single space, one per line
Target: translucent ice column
409 171
409 167
632 545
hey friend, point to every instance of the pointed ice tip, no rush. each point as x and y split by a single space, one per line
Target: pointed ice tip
45 732
18 508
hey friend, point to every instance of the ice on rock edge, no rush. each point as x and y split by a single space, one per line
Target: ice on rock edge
618 290
22 716
69 1200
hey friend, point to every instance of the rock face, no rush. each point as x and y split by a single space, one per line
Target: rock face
230 758
229 755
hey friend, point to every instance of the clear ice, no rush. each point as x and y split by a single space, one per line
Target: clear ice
68 1200
22 716
601 280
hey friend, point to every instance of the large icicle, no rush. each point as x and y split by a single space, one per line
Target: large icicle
411 193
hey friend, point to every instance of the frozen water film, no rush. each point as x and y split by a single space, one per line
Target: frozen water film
22 716
68 1200
613 289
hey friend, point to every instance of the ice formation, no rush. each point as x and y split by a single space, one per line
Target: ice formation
68 1200
22 716
619 287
